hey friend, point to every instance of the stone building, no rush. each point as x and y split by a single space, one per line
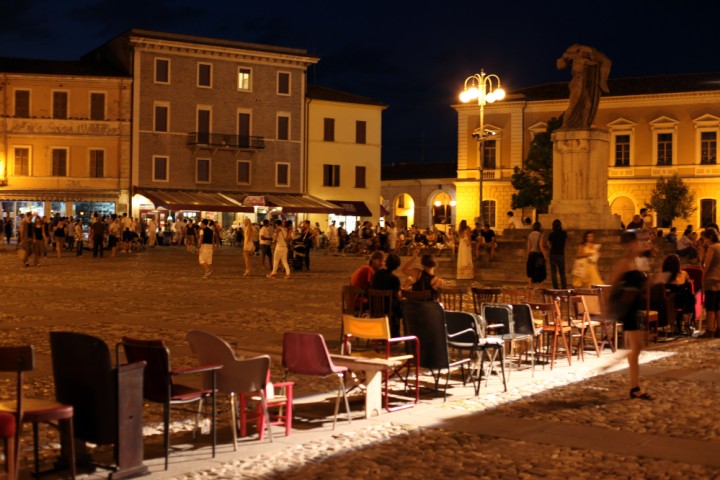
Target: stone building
658 126
64 137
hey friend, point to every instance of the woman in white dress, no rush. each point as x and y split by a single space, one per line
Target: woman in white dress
282 239
465 268
248 244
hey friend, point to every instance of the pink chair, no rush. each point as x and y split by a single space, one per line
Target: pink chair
695 274
307 354
7 433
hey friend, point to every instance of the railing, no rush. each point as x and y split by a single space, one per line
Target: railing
224 140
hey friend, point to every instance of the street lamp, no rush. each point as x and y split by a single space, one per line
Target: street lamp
485 89
445 206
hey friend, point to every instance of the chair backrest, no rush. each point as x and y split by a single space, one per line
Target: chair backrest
18 359
417 295
484 295
352 299
86 379
377 328
695 274
452 298
426 321
563 297
380 302
499 314
157 381
592 301
550 315
213 350
458 322
580 309
522 319
306 354
516 295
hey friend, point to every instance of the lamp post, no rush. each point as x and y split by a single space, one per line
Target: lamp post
485 89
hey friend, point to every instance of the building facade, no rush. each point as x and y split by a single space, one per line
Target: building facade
344 138
64 137
658 126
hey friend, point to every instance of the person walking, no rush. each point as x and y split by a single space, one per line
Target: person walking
39 237
282 234
266 238
535 268
98 230
556 241
8 229
585 271
79 237
59 234
248 244
627 301
307 236
465 268
151 232
206 244
711 282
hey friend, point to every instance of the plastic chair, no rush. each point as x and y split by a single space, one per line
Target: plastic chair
482 296
29 410
240 378
452 298
7 433
159 385
426 321
378 329
307 354
468 333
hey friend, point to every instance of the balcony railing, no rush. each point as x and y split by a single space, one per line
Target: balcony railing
224 140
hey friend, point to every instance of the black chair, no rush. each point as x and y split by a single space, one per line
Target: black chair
107 401
466 331
426 321
501 318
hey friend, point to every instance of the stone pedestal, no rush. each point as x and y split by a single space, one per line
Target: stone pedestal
580 177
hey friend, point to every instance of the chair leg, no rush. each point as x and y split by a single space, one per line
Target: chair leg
266 416
36 452
234 417
214 421
198 414
68 444
502 366
347 403
9 444
166 432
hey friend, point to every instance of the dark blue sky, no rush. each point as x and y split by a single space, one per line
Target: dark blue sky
414 56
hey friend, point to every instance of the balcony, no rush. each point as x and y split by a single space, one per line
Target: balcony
224 140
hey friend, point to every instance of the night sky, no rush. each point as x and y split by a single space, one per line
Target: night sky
414 56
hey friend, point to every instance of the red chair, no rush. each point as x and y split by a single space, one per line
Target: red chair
307 354
696 275
241 378
159 385
7 432
30 410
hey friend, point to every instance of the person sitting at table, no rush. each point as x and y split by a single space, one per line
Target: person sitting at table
362 277
424 278
385 279
677 281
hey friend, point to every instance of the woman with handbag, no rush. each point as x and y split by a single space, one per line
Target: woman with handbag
585 271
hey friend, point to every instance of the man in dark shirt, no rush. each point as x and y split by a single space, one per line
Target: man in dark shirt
557 239
384 279
636 224
486 240
98 229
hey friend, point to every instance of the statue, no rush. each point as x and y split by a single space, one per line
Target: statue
590 70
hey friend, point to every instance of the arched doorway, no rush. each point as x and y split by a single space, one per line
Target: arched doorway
442 210
624 207
404 211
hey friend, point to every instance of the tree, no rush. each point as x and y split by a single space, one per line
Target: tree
670 199
533 182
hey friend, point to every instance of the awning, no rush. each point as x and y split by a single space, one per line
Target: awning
176 200
353 208
290 203
60 195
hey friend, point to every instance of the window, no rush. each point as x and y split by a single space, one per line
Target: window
708 212
244 79
708 148
361 132
282 174
283 127
161 117
489 154
401 201
488 212
202 171
331 175
243 172
22 103
204 75
359 177
329 130
244 120
97 106
162 70
283 83
203 126
664 148
59 162
97 163
160 169
622 150
60 105
22 161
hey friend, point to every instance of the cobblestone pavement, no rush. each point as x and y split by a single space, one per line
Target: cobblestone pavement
159 293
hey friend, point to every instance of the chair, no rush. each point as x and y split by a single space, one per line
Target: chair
7 433
352 300
583 322
426 321
452 298
467 332
501 318
695 274
417 295
378 329
307 354
594 304
482 296
159 384
553 327
29 410
655 304
240 378
515 295
107 401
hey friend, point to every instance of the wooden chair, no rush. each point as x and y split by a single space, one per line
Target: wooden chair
35 411
452 298
553 329
583 322
482 296
596 308
517 295
159 384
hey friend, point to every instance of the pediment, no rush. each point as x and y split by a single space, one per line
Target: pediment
707 120
621 124
664 122
538 127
